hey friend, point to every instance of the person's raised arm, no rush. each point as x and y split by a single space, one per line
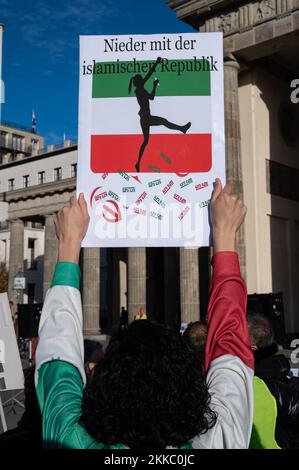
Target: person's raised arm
228 213
71 225
153 93
152 70
228 295
229 359
60 374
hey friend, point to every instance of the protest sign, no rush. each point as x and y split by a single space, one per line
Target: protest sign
11 372
151 137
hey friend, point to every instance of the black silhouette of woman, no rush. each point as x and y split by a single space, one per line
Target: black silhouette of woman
146 119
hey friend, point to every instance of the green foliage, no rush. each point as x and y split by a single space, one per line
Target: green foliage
3 278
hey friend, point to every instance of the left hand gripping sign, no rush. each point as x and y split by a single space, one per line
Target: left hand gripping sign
151 137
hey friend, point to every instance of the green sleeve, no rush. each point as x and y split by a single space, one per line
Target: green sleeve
59 391
66 274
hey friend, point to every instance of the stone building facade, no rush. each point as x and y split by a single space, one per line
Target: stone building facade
261 54
261 59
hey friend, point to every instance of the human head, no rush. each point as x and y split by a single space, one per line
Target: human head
260 330
93 353
137 82
196 336
147 392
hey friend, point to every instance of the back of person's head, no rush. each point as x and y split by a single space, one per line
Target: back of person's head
196 336
260 330
93 351
147 392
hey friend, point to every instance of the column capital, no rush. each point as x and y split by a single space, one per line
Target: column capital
230 60
16 221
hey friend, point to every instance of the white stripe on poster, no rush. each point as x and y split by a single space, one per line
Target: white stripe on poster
120 115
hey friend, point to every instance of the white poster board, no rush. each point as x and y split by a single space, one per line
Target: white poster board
151 137
11 372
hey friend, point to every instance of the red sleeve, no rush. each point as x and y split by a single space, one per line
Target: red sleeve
227 323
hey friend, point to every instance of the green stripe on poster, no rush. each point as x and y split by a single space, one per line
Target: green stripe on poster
190 77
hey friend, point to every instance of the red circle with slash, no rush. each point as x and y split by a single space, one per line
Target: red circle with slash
111 211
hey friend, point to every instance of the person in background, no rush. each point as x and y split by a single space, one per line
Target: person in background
147 392
269 365
11 305
93 353
141 315
14 316
124 318
196 336
265 410
274 378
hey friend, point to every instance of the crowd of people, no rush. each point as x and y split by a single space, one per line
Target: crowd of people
220 385
276 391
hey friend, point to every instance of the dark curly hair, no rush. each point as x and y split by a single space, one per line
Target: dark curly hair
147 391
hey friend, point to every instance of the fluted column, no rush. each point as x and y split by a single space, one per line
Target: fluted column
113 294
233 142
91 292
50 252
16 258
189 284
171 287
136 280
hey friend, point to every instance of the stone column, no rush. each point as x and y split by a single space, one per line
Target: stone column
233 142
171 287
189 285
50 252
16 258
113 294
91 292
136 280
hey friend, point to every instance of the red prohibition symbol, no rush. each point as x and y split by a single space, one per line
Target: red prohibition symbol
111 211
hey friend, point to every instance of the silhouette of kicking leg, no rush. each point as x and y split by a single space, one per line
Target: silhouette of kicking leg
159 121
148 121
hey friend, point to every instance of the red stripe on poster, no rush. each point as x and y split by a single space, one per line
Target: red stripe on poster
190 153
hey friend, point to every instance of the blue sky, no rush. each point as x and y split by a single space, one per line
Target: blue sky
41 56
